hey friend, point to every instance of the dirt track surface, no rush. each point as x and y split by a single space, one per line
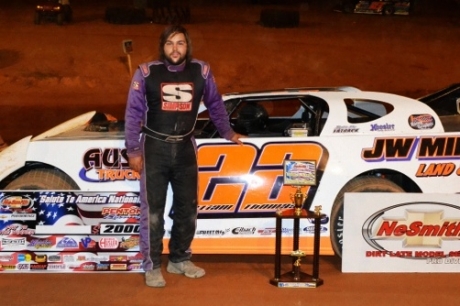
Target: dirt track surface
51 73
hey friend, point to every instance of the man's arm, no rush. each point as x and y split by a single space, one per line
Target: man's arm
134 115
217 112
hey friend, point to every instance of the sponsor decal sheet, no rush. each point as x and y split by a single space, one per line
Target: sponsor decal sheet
401 232
53 231
75 231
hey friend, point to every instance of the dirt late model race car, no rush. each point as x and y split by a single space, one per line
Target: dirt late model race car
381 7
359 141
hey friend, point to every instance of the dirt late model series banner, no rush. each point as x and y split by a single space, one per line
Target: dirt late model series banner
49 231
401 232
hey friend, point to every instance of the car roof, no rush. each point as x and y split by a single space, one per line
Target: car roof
403 108
288 92
336 98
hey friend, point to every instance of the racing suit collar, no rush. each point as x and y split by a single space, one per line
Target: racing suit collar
175 68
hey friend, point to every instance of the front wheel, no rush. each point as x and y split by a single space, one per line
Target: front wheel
42 179
359 184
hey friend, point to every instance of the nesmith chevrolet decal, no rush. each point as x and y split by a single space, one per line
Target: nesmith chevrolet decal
422 148
416 229
22 203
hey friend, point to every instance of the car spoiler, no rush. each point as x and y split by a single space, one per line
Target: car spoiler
67 125
445 101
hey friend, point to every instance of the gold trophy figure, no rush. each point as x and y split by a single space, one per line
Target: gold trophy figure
297 254
318 210
298 198
298 201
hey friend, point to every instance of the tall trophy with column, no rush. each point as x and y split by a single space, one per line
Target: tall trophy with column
298 174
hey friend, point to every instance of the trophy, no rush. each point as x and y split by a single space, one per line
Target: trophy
298 174
297 254
298 201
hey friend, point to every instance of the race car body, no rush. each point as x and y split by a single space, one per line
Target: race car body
382 7
359 141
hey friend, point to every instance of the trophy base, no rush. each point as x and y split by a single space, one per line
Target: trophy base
288 280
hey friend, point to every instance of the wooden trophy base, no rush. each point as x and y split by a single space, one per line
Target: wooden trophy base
302 280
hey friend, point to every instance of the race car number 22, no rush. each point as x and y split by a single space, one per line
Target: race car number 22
235 178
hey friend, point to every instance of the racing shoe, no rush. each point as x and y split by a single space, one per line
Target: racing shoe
154 278
185 267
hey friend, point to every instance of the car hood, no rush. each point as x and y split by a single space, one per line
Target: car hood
91 125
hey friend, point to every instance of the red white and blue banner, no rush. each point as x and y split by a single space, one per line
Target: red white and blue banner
401 232
68 231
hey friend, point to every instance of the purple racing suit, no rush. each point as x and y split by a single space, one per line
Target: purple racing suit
160 116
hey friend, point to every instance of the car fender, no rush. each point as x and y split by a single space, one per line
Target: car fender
14 157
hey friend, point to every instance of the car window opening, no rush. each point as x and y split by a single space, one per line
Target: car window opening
362 111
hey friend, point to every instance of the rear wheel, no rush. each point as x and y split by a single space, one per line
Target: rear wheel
274 18
171 15
43 179
37 18
388 9
348 7
125 15
67 11
359 184
60 19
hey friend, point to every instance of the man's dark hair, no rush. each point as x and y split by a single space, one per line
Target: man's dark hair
175 29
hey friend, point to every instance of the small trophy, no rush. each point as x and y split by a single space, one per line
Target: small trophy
297 254
298 201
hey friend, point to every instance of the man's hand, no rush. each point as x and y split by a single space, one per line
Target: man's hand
236 138
136 163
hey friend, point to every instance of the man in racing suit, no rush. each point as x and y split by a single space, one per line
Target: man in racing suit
161 113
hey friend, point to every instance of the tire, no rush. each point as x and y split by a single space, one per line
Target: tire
388 10
60 19
349 8
43 179
68 14
171 15
359 184
274 18
125 15
37 18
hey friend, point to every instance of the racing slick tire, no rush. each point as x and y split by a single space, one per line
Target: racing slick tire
274 18
348 7
171 15
359 184
37 18
388 10
43 179
125 15
60 19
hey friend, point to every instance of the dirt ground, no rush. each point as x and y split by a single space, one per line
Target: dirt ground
51 73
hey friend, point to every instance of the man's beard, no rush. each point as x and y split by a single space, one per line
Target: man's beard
179 61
